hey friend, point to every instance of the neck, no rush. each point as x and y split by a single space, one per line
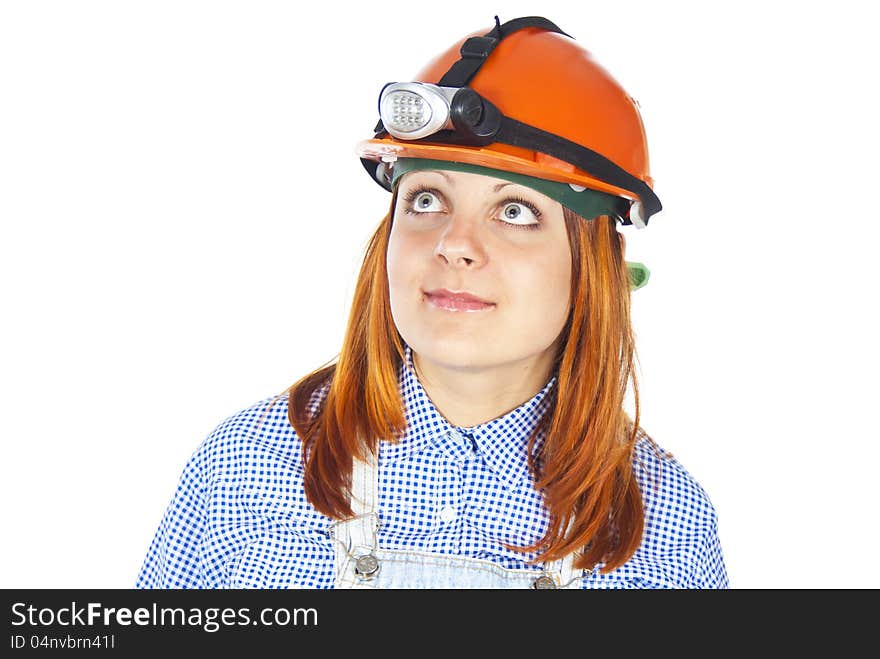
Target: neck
467 397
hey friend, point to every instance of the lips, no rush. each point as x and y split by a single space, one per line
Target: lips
456 300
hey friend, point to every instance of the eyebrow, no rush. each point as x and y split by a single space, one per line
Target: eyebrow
495 188
442 173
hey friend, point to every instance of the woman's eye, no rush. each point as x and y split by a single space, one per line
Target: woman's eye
426 202
516 213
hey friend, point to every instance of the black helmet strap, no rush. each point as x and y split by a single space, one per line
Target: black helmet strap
475 50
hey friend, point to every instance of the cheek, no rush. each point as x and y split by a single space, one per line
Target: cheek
402 260
545 282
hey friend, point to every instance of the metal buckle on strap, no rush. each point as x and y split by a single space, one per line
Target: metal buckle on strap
366 566
544 582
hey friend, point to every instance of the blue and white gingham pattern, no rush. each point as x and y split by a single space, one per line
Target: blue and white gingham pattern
240 519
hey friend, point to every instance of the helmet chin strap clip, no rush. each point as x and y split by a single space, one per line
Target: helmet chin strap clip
637 214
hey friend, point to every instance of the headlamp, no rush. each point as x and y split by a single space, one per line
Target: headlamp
415 110
411 111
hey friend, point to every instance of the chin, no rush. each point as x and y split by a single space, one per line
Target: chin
454 351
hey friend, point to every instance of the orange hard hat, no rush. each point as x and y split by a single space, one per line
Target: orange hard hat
557 115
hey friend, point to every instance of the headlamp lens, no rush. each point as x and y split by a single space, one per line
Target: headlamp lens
406 111
413 110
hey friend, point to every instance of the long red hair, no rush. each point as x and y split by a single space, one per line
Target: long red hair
584 467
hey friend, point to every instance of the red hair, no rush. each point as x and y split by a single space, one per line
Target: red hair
584 467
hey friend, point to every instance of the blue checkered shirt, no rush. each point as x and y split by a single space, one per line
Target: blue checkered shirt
240 518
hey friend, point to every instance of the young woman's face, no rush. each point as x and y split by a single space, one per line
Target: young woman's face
500 242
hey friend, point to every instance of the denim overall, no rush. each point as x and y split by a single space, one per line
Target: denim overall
360 563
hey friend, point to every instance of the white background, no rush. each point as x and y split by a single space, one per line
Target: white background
183 217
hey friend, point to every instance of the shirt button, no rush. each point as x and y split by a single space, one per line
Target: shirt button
447 514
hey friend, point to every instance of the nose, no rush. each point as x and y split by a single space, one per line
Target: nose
460 244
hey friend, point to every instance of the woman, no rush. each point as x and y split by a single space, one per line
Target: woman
471 432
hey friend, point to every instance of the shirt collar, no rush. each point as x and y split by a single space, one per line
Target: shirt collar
502 442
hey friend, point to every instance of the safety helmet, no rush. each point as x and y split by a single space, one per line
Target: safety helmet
523 97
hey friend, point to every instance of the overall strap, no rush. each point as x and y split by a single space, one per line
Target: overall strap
356 537
364 498
563 570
